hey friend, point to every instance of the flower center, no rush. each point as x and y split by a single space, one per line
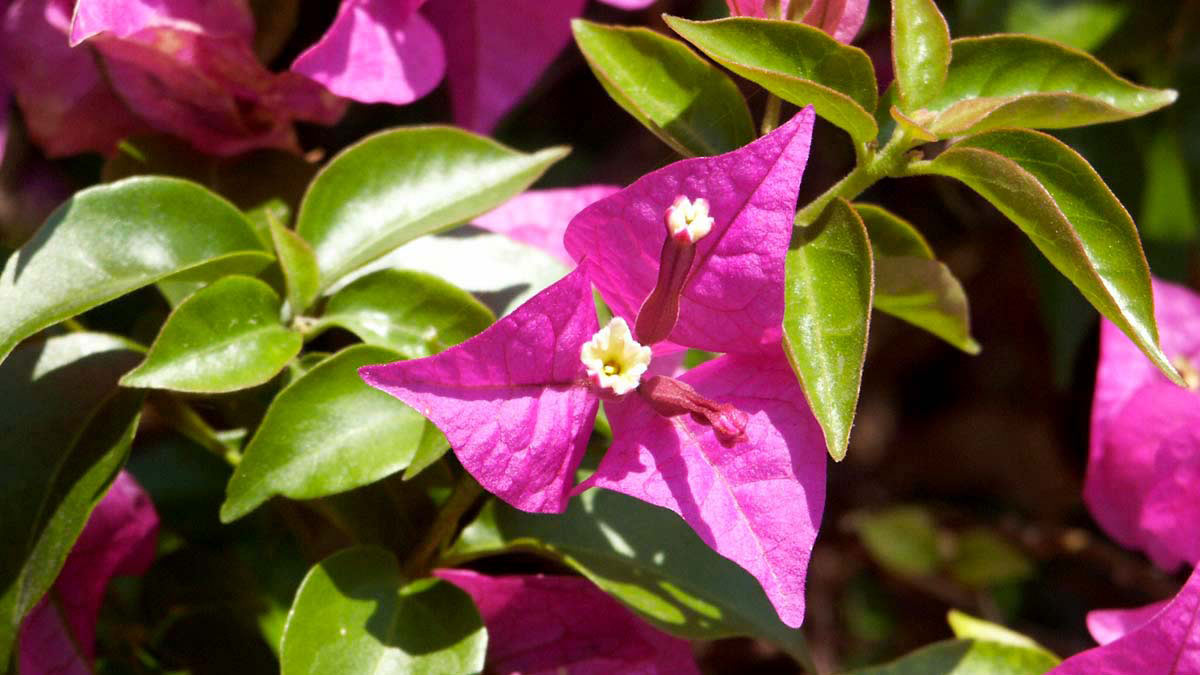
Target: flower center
614 360
689 220
1187 370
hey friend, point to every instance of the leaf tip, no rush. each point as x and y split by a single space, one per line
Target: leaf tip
971 347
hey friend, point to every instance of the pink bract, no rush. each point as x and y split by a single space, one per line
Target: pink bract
512 401
118 540
1167 642
1108 625
539 217
377 51
758 503
840 18
733 301
1143 472
545 624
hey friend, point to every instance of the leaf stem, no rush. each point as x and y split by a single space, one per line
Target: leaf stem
184 419
771 114
891 160
466 491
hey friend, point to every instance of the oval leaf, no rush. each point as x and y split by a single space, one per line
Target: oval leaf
644 556
797 63
299 265
328 432
224 337
398 185
827 312
691 105
416 314
911 285
968 657
1022 81
65 430
1057 199
112 239
354 614
920 51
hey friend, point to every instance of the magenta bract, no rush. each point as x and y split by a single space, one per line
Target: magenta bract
1143 473
733 301
1167 642
547 625
539 217
840 18
118 540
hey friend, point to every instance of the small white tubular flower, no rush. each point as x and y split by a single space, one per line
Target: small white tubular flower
614 360
689 220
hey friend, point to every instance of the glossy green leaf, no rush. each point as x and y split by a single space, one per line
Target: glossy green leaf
968 657
826 316
1169 212
902 539
328 432
911 285
691 105
1057 199
222 338
299 265
1082 24
984 559
354 613
920 51
109 240
644 556
1021 81
967 627
797 63
398 185
414 313
65 431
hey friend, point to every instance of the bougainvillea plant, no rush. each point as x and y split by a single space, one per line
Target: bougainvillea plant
407 399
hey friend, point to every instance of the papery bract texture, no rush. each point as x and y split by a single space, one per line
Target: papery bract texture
757 503
496 51
68 108
840 18
733 300
124 18
1168 642
1108 625
119 540
629 4
1143 473
377 51
539 217
549 625
512 401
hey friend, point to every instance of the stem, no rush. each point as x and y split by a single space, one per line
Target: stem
890 161
466 491
188 422
771 114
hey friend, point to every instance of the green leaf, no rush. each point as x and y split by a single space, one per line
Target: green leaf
902 539
112 239
797 63
1021 81
328 432
644 556
967 627
414 313
398 185
984 559
968 657
920 51
911 285
355 614
1082 24
65 431
827 312
222 338
1169 212
1057 199
299 265
691 105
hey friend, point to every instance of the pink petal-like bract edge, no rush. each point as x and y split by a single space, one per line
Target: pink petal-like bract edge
512 400
758 503
119 539
556 624
1168 642
539 217
733 301
377 51
840 18
1109 625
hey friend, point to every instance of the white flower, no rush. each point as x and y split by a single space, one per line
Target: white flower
613 359
689 219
